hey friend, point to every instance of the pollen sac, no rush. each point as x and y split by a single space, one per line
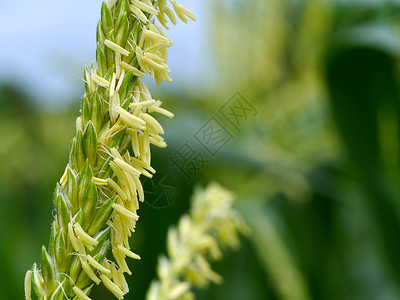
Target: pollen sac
100 35
74 268
83 278
117 139
72 189
63 211
102 216
126 85
37 280
120 9
122 31
96 111
48 270
90 143
79 217
84 178
103 238
89 204
60 252
53 234
88 81
101 60
72 155
106 18
79 152
108 52
85 109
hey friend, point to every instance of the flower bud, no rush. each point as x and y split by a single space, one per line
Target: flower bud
90 143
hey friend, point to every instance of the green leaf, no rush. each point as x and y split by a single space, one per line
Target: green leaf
362 78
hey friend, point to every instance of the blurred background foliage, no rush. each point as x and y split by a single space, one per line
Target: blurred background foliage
314 162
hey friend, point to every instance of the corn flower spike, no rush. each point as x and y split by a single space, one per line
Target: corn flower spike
98 195
211 223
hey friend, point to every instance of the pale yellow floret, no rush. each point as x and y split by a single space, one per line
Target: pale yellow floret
72 238
124 166
136 111
142 104
114 274
155 57
112 287
121 281
78 124
178 290
157 47
108 266
121 79
153 122
97 265
99 181
117 66
89 81
115 153
136 94
112 85
121 175
38 279
81 295
28 285
114 102
130 119
116 188
89 272
128 67
154 36
121 261
151 62
81 246
157 142
115 47
144 7
183 12
86 238
138 13
135 144
142 64
100 80
111 3
161 18
128 252
63 179
122 210
160 110
139 188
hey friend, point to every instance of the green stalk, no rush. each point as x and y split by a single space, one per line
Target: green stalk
97 197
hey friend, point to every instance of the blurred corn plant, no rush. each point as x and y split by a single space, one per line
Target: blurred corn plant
315 170
322 77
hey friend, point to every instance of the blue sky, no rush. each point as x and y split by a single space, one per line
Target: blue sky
45 43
